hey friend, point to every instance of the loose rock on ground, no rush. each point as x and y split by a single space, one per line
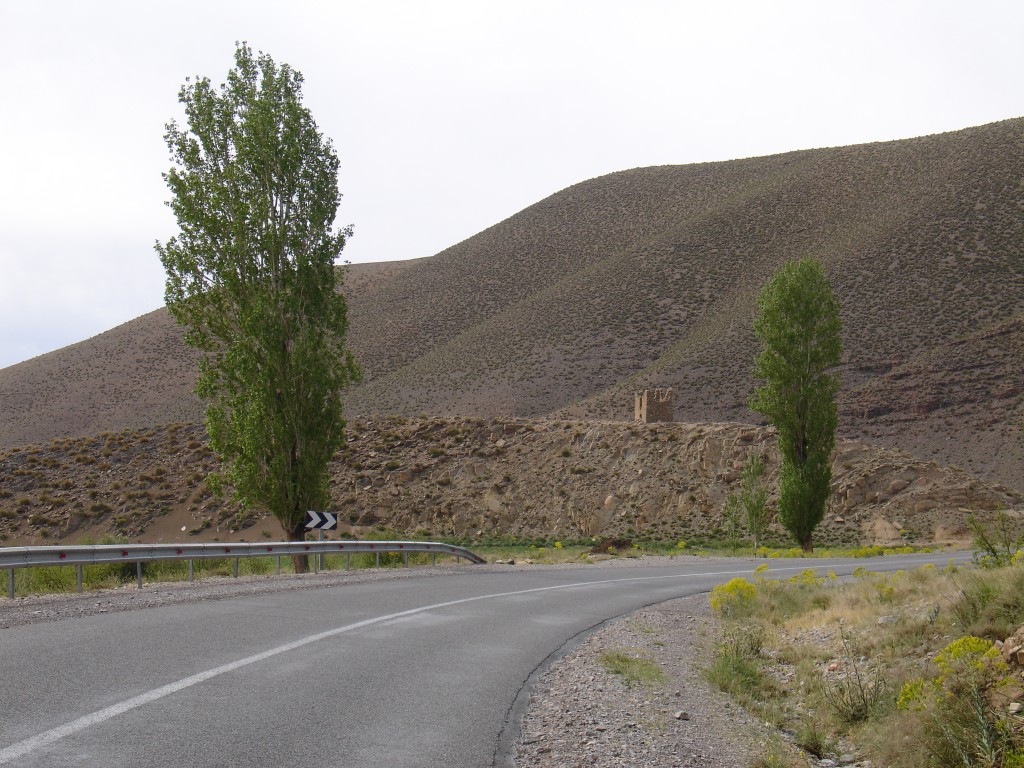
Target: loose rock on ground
582 715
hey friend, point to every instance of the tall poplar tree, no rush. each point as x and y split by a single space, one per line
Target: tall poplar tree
799 325
252 276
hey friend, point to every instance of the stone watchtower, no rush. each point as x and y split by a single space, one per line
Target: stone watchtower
653 405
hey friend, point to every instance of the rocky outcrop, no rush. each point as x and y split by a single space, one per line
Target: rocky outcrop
476 477
663 481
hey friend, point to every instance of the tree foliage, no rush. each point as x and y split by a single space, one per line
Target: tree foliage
799 325
754 498
252 277
747 507
732 520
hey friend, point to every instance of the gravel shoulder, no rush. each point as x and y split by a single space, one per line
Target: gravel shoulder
580 714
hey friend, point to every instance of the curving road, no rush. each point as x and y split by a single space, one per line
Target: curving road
413 672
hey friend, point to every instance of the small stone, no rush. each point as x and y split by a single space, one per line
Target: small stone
847 759
680 715
827 763
882 620
1015 707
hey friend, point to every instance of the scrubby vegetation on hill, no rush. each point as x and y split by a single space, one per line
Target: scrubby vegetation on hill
648 277
480 479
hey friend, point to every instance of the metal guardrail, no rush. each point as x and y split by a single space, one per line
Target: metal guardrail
80 555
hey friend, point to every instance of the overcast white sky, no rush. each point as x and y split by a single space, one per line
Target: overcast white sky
447 116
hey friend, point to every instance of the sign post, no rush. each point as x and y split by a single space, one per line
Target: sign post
321 521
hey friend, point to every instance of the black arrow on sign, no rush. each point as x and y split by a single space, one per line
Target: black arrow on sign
323 520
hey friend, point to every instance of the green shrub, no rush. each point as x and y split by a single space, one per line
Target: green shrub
733 598
740 675
859 692
812 738
998 541
990 603
963 712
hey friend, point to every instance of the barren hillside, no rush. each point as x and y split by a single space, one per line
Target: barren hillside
139 374
482 477
648 277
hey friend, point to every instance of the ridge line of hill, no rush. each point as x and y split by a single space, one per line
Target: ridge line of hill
647 278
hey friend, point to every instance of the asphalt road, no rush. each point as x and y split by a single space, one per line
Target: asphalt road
414 672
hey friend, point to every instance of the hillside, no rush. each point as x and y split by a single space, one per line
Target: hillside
481 477
648 277
137 375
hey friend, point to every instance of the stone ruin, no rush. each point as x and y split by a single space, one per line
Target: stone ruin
653 405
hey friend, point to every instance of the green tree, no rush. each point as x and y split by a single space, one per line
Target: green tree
799 325
252 277
754 498
748 506
732 520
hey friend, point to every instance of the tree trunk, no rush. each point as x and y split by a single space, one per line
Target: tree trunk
807 544
298 533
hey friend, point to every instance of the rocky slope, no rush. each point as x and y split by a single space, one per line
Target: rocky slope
648 277
477 478
960 402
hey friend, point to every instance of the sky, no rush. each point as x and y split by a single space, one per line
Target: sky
447 116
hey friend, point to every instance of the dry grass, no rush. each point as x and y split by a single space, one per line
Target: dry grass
633 666
874 667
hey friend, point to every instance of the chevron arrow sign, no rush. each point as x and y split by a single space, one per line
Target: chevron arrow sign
322 520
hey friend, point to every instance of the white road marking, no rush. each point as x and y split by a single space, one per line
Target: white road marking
53 735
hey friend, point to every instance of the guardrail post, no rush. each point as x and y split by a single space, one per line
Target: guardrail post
348 560
78 573
10 583
378 559
138 572
278 565
191 573
405 559
433 558
315 556
235 567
